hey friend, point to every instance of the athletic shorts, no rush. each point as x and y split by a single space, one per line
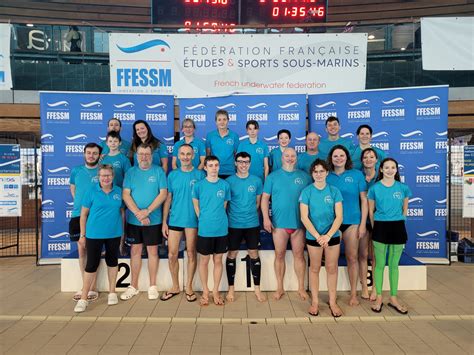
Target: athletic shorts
390 232
332 241
250 235
74 229
147 235
211 245
176 229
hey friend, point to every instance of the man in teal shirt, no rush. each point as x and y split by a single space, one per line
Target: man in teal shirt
333 128
114 125
257 149
144 191
312 153
245 196
182 218
210 197
284 187
82 178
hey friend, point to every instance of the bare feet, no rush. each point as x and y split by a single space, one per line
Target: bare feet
335 310
218 300
278 294
303 295
260 296
373 294
365 293
353 301
230 295
204 301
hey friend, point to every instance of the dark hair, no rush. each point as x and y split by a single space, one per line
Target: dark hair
150 139
380 175
243 155
222 112
115 119
348 164
370 149
283 131
188 120
364 126
331 119
106 167
186 145
255 123
113 134
317 162
210 158
93 145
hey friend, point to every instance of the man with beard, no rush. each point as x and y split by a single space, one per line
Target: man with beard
82 178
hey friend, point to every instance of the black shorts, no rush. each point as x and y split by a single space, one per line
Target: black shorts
177 229
148 235
75 229
332 241
250 235
211 245
390 232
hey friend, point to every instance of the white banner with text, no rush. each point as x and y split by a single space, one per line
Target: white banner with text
189 65
5 69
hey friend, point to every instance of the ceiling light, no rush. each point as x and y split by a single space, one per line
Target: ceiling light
29 25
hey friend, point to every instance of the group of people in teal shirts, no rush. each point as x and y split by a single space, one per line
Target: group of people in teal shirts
221 191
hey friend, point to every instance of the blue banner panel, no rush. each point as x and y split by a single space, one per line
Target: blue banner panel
68 122
411 126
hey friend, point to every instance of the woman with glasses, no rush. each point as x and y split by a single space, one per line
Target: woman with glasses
101 223
188 127
321 214
142 134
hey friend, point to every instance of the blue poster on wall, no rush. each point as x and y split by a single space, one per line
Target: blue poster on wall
411 126
68 122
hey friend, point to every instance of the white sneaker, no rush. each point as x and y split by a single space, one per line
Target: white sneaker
153 293
112 299
129 293
81 306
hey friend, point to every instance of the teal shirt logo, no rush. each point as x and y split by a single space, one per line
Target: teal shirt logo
397 195
220 194
259 151
349 179
152 179
192 182
95 179
299 181
117 197
251 188
328 200
230 141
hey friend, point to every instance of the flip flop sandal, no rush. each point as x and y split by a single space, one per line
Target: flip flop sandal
77 296
168 295
191 297
334 314
377 310
397 309
92 296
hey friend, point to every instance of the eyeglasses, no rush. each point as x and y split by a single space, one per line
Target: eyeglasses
244 162
105 176
144 154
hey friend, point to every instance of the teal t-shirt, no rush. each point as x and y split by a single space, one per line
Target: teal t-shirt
212 218
321 204
159 153
326 145
305 160
351 183
242 208
223 148
275 159
285 189
124 147
120 163
83 178
389 200
105 218
199 148
357 163
144 186
180 185
258 152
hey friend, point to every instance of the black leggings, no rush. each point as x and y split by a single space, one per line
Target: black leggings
94 250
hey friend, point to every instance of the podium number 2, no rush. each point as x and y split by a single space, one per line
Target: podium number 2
120 281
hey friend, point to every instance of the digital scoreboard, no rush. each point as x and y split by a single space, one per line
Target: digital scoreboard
228 13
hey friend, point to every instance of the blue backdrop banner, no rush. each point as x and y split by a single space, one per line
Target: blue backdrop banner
68 122
411 126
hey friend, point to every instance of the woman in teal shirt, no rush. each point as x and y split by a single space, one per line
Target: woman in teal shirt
101 223
321 214
388 204
142 134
